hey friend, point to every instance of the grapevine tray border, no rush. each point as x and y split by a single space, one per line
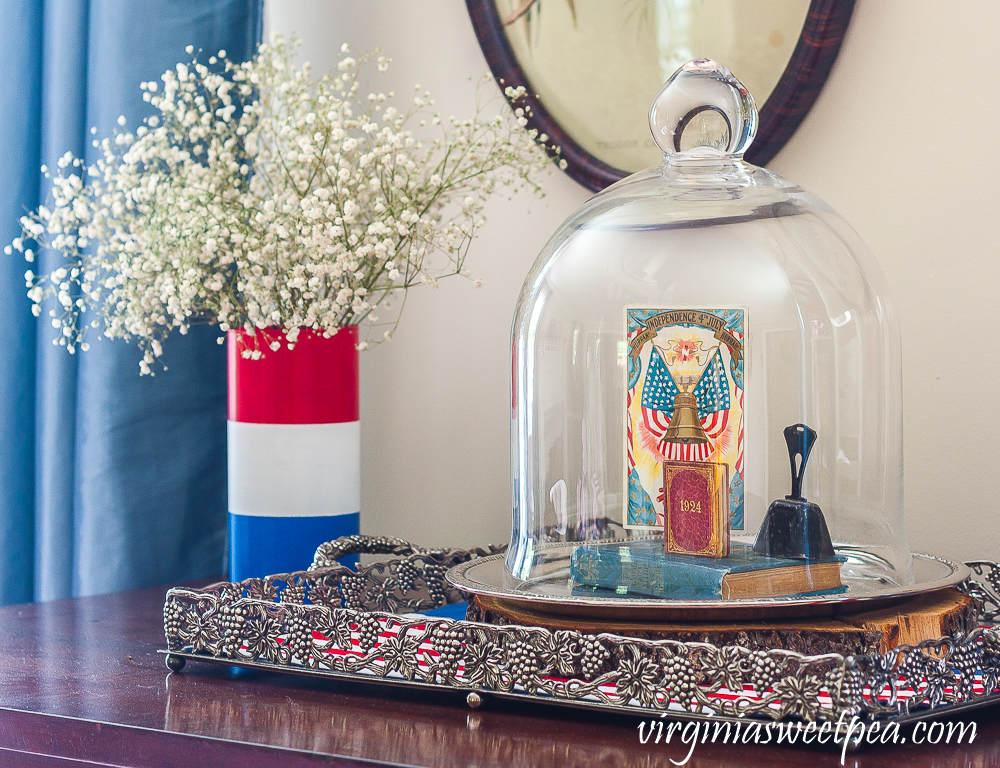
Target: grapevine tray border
362 625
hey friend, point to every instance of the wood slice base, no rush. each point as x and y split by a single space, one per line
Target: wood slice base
924 617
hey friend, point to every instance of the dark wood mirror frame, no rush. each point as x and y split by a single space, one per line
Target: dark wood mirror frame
789 102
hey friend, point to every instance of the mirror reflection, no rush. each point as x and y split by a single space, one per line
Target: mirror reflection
596 65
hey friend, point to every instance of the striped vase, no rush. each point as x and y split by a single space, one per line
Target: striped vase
294 450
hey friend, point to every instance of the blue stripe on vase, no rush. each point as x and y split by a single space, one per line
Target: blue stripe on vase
261 546
456 611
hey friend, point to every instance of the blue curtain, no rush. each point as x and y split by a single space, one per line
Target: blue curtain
108 481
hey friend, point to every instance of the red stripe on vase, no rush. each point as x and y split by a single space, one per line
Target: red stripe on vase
314 383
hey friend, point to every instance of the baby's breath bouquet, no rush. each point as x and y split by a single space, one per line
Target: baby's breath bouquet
263 198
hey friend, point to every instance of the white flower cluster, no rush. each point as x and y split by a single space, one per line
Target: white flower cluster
261 197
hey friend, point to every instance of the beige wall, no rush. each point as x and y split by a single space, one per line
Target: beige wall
901 142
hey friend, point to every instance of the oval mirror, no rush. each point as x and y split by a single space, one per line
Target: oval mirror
592 67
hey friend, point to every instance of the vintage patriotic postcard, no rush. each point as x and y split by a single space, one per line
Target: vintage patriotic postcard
671 351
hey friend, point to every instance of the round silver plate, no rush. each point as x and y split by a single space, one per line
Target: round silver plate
553 594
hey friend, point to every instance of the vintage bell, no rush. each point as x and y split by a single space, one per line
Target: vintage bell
685 426
794 527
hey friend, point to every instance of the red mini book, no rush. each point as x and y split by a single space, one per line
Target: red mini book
696 507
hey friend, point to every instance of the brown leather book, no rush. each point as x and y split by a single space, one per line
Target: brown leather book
785 580
696 508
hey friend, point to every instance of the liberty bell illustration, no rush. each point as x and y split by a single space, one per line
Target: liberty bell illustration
685 426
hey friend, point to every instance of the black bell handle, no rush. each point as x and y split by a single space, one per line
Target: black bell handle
800 440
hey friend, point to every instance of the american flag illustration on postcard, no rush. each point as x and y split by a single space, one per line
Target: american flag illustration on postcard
673 351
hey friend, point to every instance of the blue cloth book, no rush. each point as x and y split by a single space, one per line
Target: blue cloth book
644 568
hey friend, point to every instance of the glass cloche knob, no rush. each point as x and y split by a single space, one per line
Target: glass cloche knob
703 110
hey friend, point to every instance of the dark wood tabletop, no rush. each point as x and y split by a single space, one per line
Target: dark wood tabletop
81 683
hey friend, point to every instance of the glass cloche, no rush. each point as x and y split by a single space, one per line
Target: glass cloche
682 345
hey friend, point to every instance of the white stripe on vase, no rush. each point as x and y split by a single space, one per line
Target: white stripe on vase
294 470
